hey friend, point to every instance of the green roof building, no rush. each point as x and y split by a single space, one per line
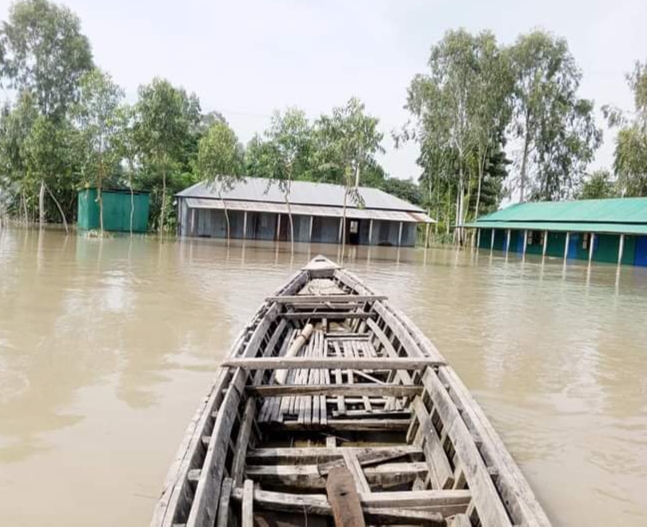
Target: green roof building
602 230
121 210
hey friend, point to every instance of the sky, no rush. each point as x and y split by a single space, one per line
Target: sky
247 58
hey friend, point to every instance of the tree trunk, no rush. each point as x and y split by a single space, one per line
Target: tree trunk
287 202
449 209
41 204
60 210
100 200
343 225
478 191
224 208
524 164
163 209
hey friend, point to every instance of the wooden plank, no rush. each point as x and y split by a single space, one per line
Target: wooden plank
360 459
344 499
440 500
307 299
352 464
437 458
242 442
330 315
348 362
247 509
305 455
521 502
357 425
207 492
308 477
358 390
318 504
486 499
461 520
223 506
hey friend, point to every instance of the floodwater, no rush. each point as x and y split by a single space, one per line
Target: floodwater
106 348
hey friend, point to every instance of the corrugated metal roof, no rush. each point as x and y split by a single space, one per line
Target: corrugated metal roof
613 228
309 210
620 210
301 193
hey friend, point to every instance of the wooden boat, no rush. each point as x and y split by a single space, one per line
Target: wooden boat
334 409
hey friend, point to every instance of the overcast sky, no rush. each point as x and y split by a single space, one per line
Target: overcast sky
246 58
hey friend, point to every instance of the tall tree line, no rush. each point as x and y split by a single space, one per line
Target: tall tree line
491 121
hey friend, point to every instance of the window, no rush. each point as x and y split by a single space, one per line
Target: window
585 240
536 237
354 227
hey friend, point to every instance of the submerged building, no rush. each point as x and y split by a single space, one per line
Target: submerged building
601 230
258 211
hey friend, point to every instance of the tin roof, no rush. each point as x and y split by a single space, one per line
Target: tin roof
619 215
309 210
301 193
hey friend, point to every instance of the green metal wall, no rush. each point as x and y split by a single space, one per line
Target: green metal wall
116 210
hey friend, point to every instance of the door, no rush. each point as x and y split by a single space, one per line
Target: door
640 256
353 232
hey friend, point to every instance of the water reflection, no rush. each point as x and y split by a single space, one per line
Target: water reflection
106 346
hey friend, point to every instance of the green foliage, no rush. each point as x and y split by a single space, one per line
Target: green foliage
166 128
220 156
45 53
598 185
556 128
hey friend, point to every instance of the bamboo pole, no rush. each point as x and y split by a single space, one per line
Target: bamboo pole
298 343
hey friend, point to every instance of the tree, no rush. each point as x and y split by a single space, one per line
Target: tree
49 150
630 163
221 160
286 153
493 98
45 54
101 120
556 128
166 121
349 141
16 124
598 185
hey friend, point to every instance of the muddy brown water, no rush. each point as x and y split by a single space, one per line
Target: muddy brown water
106 348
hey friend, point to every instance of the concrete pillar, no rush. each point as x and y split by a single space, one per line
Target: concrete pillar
341 224
278 228
543 251
312 219
478 238
427 235
192 232
568 239
591 246
525 241
621 248
370 232
245 225
507 241
492 239
400 236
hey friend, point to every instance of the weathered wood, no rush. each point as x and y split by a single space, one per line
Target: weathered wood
461 520
372 390
308 477
223 506
318 504
440 469
247 508
519 498
357 363
322 299
344 499
444 501
357 425
330 315
305 455
292 351
242 441
362 457
488 504
353 466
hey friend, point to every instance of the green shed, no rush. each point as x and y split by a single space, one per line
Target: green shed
601 230
117 208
